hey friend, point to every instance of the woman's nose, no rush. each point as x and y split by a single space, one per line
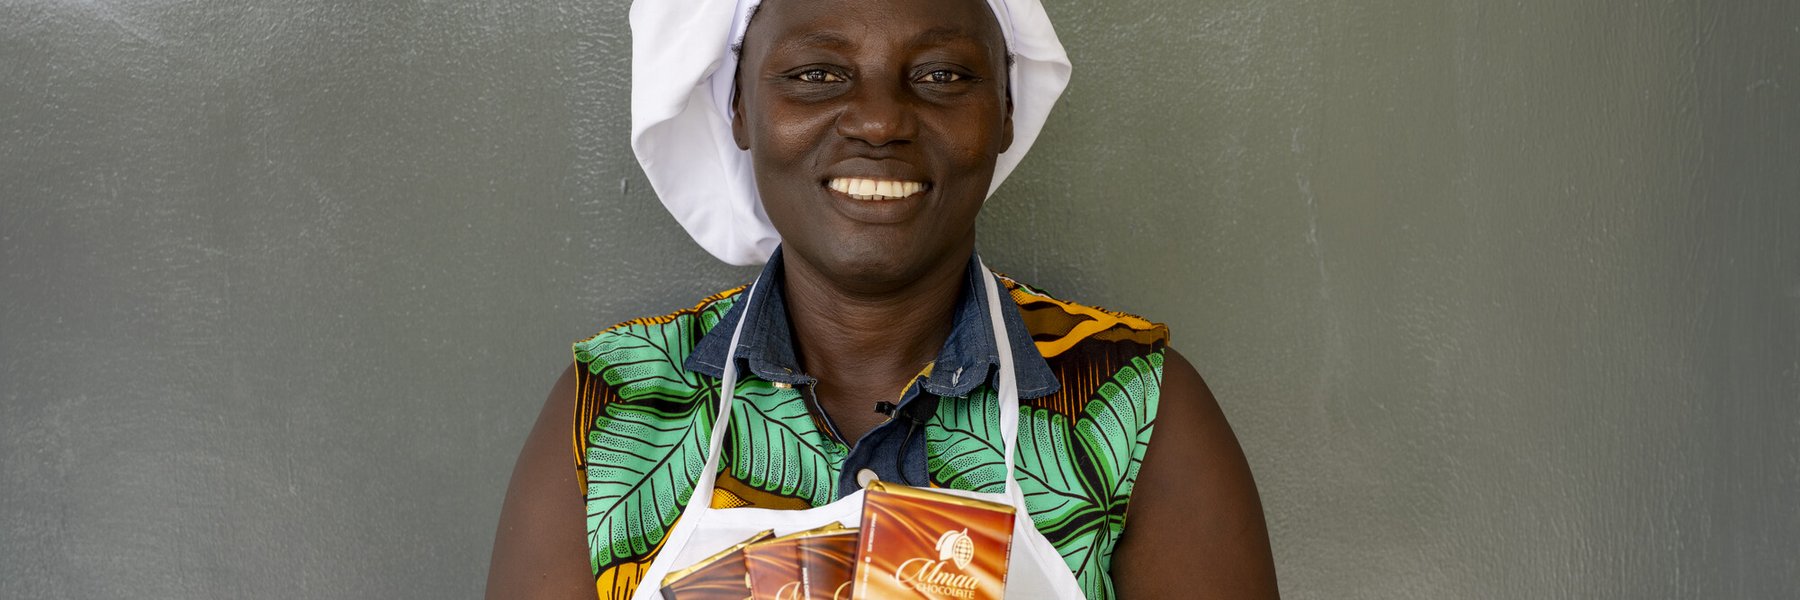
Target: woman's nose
878 115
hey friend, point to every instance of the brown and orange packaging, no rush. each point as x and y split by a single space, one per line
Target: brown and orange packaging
826 563
810 565
721 576
913 544
917 543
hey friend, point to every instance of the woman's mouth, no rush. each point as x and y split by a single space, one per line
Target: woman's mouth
875 189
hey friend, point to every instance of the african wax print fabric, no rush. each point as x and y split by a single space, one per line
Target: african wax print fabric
642 423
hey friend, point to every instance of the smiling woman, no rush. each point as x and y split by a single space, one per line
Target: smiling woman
850 145
919 98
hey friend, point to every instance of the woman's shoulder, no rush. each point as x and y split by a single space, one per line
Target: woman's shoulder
1063 327
651 342
1108 364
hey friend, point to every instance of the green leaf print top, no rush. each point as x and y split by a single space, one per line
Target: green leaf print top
643 418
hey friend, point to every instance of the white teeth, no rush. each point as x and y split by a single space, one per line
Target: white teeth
875 189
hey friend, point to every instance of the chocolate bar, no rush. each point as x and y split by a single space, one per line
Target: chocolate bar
721 576
826 563
779 568
917 543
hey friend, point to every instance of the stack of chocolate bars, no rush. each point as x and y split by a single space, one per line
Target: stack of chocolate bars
913 543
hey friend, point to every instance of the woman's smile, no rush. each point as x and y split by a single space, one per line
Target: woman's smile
860 188
877 201
876 192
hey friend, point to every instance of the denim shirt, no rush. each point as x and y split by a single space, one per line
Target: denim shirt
894 450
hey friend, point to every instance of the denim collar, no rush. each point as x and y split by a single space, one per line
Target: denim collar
968 359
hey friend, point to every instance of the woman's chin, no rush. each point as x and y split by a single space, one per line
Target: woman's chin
872 265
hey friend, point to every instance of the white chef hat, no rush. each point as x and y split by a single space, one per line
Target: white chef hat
682 67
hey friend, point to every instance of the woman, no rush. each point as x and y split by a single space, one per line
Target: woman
864 135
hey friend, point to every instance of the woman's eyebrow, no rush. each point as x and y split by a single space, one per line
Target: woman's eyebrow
816 39
945 33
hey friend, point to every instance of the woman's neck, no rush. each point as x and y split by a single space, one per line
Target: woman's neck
864 346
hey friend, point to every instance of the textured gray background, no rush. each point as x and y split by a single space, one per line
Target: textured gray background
1503 297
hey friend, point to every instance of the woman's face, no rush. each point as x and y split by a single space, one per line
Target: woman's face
873 126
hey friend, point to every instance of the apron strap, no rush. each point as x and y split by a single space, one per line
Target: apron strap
701 500
1009 385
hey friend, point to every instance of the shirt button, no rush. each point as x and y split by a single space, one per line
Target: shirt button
866 477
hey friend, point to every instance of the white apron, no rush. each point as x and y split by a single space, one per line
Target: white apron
1035 570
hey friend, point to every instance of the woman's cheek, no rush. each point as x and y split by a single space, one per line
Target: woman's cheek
799 134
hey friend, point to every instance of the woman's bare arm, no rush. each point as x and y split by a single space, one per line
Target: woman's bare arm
1195 527
540 550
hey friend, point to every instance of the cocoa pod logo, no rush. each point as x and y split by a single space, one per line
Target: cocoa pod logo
956 546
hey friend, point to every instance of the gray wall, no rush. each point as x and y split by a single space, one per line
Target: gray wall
1503 297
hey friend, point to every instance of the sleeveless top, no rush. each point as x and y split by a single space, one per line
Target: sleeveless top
643 417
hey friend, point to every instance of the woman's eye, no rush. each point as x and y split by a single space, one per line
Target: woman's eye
819 76
943 76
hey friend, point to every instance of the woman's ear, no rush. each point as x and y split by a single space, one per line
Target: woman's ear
737 119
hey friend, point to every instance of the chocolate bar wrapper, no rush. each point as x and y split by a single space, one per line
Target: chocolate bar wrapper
826 563
927 545
721 576
776 568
